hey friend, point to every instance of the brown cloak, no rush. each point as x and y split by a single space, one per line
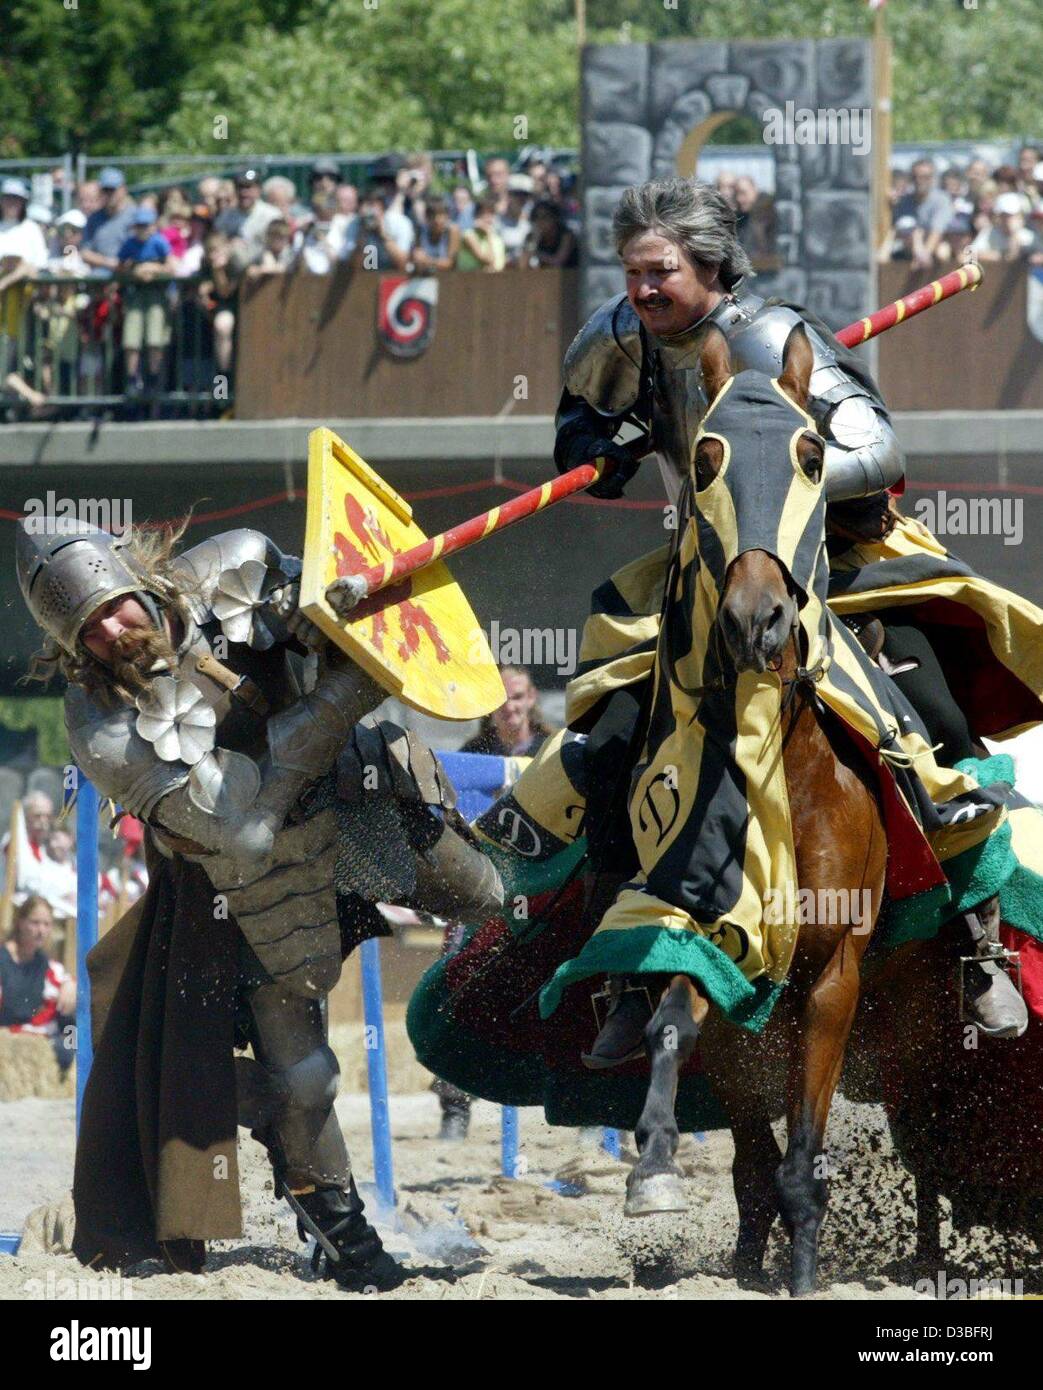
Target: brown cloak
156 1155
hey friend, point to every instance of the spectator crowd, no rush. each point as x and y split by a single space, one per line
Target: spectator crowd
968 212
107 287
38 893
130 299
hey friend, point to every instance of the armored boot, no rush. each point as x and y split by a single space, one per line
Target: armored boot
990 998
622 1036
347 1248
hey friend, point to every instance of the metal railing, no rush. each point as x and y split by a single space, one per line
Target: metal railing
63 350
145 173
39 174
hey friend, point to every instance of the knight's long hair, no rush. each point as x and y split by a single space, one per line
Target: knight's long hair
689 213
149 551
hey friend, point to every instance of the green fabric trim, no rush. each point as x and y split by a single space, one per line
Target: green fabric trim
998 767
1021 895
654 950
568 1097
529 877
45 714
456 1055
973 876
1021 902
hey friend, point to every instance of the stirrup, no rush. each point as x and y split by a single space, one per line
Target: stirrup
605 1000
1008 961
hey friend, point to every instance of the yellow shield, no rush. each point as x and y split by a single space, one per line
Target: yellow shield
419 638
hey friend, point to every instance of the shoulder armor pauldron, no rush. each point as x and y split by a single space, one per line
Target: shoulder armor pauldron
231 577
108 749
603 364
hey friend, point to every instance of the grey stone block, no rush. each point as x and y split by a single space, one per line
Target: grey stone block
758 102
728 91
690 111
839 297
788 247
788 184
788 283
814 164
844 72
853 170
598 206
784 71
599 283
789 216
615 153
615 83
677 67
836 229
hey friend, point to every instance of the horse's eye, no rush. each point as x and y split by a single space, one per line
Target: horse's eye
708 459
809 456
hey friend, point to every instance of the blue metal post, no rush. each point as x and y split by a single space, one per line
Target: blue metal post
610 1142
376 1062
86 926
509 1141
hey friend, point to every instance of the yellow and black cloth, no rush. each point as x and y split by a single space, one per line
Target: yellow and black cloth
695 865
709 812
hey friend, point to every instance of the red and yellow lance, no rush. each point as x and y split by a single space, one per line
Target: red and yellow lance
968 277
422 640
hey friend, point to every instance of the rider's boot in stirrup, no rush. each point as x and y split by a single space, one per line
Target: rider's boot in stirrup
622 1036
990 999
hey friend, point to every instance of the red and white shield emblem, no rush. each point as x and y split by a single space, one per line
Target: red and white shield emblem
406 313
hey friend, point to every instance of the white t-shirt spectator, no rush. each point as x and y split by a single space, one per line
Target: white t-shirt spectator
256 223
932 213
69 262
993 240
24 241
191 263
319 251
513 235
398 227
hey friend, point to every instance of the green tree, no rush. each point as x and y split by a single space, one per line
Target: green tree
151 75
96 74
960 73
404 74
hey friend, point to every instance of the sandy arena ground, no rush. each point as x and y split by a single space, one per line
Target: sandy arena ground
470 1234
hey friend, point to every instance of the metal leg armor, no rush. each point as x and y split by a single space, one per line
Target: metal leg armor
295 1084
288 1033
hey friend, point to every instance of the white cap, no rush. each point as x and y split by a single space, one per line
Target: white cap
73 218
39 213
520 183
1009 202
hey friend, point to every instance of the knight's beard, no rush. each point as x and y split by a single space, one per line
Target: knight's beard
135 653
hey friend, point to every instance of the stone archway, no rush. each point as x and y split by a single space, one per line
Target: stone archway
649 108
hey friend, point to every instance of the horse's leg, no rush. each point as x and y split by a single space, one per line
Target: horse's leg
753 1176
815 1070
655 1181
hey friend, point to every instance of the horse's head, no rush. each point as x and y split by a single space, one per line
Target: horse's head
757 466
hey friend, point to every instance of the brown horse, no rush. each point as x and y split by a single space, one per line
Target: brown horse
794 1066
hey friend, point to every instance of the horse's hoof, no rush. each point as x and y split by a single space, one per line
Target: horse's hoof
657 1192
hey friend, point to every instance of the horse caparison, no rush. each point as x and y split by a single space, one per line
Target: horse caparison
795 1064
